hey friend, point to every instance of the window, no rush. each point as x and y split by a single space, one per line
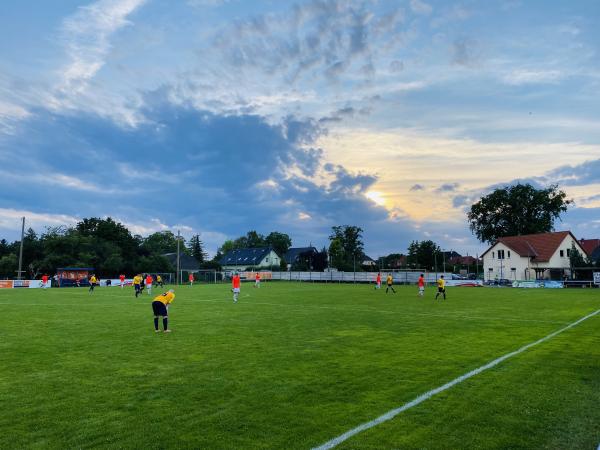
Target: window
492 255
500 254
267 259
491 269
562 253
568 252
509 253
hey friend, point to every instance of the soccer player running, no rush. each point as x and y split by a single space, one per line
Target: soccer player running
191 279
390 283
159 281
149 281
160 307
44 281
235 285
378 281
137 284
421 284
257 280
441 287
122 280
93 281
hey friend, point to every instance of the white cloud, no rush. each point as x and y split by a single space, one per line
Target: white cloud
524 76
87 38
420 7
10 219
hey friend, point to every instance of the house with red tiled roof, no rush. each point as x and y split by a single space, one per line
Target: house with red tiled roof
531 256
591 248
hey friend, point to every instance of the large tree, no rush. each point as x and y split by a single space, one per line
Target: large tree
425 255
280 242
346 245
196 248
516 210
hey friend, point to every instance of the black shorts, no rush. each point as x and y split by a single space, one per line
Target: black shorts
137 287
441 290
159 308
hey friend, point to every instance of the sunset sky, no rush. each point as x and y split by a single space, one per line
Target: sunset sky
221 116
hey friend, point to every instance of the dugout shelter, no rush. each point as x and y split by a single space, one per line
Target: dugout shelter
73 276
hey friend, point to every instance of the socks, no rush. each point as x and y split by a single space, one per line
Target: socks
165 323
156 323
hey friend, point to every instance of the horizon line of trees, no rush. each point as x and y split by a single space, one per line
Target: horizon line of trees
111 248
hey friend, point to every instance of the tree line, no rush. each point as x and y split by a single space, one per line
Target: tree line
111 248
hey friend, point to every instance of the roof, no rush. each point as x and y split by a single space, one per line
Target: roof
292 254
464 260
245 256
539 246
367 258
186 262
589 246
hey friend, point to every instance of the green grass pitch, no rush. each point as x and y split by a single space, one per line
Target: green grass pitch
293 365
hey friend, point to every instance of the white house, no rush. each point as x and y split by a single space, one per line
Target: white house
530 257
250 258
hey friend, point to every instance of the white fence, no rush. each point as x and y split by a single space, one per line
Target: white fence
358 277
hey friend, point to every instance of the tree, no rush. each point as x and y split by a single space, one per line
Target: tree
320 261
350 239
280 242
336 252
424 255
196 248
516 210
8 266
163 242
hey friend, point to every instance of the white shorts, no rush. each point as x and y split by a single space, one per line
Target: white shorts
148 285
236 290
421 288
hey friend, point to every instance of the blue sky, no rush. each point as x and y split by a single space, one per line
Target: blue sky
221 116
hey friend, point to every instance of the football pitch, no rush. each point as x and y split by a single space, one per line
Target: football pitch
295 365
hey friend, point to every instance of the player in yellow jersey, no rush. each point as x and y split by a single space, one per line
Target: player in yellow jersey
93 281
390 283
159 281
137 284
441 287
160 307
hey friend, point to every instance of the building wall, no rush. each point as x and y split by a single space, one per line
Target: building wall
504 268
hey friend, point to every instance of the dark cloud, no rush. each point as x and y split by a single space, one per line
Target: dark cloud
448 187
417 187
581 174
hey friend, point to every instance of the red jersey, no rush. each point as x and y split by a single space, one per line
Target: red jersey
191 277
122 278
235 281
421 282
378 278
45 279
257 277
149 279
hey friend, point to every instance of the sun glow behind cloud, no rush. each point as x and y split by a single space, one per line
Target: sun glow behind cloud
376 197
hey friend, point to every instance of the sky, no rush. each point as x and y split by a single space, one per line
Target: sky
222 116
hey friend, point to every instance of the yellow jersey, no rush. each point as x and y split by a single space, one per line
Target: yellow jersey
389 279
93 280
137 280
441 283
165 298
158 278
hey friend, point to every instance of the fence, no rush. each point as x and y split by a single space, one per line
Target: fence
357 277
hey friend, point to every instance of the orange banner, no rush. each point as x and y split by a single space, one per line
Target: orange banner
6 284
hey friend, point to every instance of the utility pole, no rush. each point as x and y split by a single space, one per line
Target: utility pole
178 259
20 271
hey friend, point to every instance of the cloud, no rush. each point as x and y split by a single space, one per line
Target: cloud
580 174
420 7
448 187
417 187
86 36
531 76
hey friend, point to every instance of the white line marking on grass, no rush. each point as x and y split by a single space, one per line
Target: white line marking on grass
427 395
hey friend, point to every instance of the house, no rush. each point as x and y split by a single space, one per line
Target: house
299 255
250 258
530 257
591 248
367 261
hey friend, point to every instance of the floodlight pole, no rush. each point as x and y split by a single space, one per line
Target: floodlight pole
20 271
178 259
